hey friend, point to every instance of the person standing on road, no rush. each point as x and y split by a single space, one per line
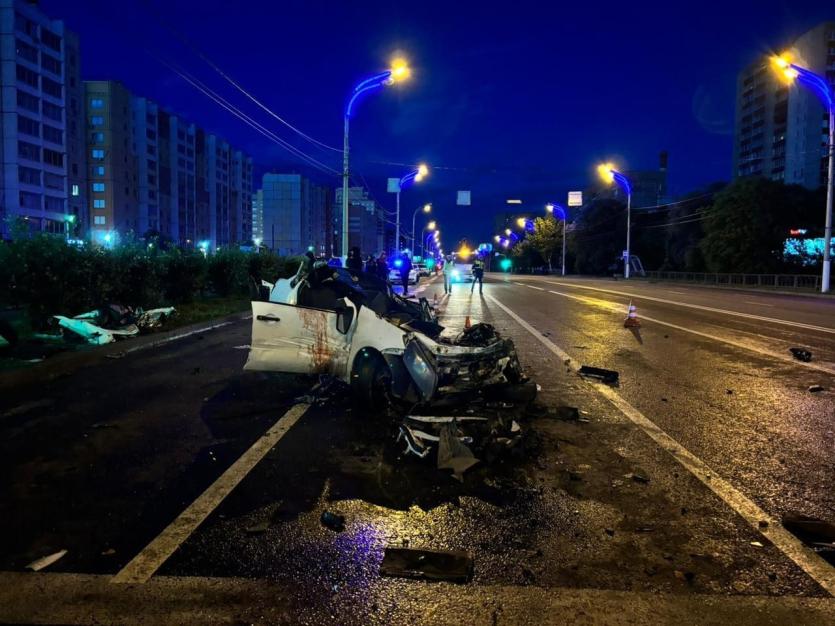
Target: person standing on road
478 275
405 268
449 267
382 267
354 260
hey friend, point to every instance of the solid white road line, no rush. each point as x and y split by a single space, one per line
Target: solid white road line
162 342
757 303
772 320
147 562
617 308
818 569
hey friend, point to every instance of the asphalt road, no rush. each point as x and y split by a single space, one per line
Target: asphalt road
104 459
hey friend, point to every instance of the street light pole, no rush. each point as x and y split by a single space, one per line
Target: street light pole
426 208
628 233
417 175
822 88
610 175
399 71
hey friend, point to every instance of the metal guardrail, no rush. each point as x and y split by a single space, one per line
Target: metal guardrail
803 282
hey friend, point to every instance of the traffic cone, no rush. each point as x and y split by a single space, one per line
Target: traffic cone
631 320
467 323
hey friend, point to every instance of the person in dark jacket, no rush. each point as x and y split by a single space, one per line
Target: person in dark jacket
405 268
382 267
354 260
478 275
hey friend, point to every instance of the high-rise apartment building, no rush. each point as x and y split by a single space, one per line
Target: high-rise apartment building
42 152
782 131
366 223
295 214
152 172
258 216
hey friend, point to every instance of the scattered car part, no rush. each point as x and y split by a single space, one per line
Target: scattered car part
453 454
816 533
451 565
334 521
815 388
92 334
610 377
45 561
801 355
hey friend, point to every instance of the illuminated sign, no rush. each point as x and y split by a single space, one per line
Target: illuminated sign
575 198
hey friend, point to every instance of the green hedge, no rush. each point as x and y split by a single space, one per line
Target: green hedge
49 277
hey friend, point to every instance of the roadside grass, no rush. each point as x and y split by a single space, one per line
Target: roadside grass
204 309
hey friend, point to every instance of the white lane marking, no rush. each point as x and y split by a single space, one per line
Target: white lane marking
151 558
757 303
162 342
681 293
736 344
761 318
818 569
532 287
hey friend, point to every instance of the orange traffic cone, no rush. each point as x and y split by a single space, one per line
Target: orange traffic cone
467 322
631 320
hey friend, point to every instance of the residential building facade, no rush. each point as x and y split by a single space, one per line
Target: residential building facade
295 214
366 223
781 130
156 174
258 216
41 123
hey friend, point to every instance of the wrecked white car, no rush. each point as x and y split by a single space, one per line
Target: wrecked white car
354 327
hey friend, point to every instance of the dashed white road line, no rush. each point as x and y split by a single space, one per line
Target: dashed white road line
736 344
818 569
761 318
757 303
151 558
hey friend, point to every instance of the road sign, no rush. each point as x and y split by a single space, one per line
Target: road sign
393 185
625 254
575 198
463 198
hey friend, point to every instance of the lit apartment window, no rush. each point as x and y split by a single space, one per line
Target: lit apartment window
75 190
98 187
97 154
97 120
96 103
98 204
99 220
98 170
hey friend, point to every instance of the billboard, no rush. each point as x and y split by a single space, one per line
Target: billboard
463 198
575 198
393 185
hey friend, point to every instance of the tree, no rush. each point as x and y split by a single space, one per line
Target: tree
525 256
598 236
546 237
749 222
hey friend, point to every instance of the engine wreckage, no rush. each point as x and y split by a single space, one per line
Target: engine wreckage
393 354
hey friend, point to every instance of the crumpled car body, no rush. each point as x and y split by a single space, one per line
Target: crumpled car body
333 322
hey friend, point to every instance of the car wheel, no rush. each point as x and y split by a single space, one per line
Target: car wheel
370 382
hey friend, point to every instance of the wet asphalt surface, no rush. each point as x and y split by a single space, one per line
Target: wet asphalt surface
100 460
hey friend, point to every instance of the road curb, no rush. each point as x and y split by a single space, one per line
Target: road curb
66 362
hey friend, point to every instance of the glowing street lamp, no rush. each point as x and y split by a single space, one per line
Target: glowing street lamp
497 238
398 72
552 208
610 175
416 175
792 72
424 237
426 208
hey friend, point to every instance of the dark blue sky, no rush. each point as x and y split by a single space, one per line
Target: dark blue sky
520 100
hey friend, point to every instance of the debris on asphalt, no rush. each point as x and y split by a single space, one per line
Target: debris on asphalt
610 377
684 576
116 355
453 453
817 534
638 478
801 355
45 561
257 529
815 388
323 392
112 322
92 334
334 521
757 544
567 413
109 552
450 565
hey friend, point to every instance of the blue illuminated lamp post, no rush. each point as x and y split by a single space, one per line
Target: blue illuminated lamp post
822 89
416 175
399 71
611 175
552 207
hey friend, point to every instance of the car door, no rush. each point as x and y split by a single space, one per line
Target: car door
296 339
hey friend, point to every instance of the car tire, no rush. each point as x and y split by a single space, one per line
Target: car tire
370 382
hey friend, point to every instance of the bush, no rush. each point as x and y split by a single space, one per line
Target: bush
49 277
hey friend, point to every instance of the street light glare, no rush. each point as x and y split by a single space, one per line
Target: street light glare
521 222
422 172
606 171
431 225
783 65
507 231
497 238
400 70
549 207
427 207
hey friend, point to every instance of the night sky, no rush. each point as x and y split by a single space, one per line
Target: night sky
517 101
